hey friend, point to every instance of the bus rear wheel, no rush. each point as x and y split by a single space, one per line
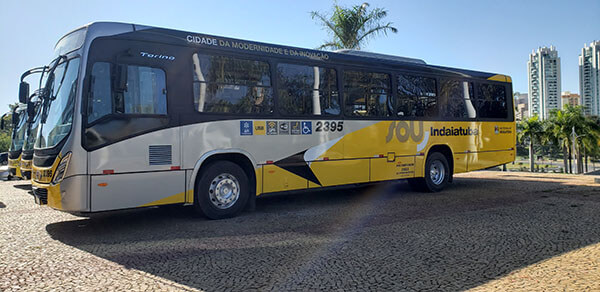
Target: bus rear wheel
222 190
437 174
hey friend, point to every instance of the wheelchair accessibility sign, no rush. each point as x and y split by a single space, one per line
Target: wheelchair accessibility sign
306 128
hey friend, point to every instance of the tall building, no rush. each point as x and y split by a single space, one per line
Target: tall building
521 105
544 82
569 98
589 78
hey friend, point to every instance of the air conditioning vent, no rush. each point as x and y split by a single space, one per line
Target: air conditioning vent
159 154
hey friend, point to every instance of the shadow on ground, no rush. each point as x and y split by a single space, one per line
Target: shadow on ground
382 237
26 187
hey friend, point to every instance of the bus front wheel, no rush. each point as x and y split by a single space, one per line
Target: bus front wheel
437 174
222 190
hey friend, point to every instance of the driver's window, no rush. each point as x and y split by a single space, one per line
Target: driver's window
100 100
126 90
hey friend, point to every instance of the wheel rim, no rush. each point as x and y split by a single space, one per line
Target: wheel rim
224 191
437 172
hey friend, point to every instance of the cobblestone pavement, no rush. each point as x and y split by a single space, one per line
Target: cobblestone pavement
487 231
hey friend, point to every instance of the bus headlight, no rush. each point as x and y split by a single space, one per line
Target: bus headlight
59 174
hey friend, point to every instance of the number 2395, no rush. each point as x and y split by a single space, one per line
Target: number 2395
327 126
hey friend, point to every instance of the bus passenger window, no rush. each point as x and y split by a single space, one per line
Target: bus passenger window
491 101
307 90
417 96
455 99
231 85
367 94
141 91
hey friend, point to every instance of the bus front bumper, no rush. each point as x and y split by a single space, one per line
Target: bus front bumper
40 195
26 174
70 195
26 169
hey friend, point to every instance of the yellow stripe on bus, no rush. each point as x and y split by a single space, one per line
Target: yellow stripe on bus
174 199
500 77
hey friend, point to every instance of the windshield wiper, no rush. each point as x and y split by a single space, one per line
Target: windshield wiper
45 94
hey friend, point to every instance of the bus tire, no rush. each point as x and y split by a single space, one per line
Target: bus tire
222 190
437 172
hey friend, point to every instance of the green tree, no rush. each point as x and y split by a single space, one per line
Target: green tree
560 133
530 131
6 131
563 123
351 28
588 141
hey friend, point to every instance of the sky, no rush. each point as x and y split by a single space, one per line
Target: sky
485 35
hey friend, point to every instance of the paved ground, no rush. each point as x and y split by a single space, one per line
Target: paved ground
487 231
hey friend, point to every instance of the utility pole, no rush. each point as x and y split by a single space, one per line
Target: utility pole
574 137
573 147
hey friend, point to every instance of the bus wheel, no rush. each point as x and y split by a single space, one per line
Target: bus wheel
437 172
222 191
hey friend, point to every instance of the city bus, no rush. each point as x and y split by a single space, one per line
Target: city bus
137 116
32 122
19 123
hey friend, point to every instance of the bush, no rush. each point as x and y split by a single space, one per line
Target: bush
4 142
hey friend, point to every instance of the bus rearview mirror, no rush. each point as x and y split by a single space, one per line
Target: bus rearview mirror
23 92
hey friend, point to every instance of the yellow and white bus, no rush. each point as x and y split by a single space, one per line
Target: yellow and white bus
137 116
19 124
32 123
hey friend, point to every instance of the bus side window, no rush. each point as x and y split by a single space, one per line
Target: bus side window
417 96
456 99
491 101
231 85
367 94
307 90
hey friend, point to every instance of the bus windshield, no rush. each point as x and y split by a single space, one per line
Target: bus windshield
19 133
31 133
70 42
58 105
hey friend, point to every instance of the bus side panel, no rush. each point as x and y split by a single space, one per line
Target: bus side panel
400 167
189 195
483 160
419 166
121 191
340 172
460 162
277 179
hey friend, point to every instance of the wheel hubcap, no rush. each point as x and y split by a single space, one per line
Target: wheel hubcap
437 172
224 191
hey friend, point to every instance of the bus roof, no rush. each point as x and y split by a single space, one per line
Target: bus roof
177 37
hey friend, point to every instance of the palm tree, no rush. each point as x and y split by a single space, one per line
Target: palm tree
560 133
589 141
564 123
532 130
352 27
